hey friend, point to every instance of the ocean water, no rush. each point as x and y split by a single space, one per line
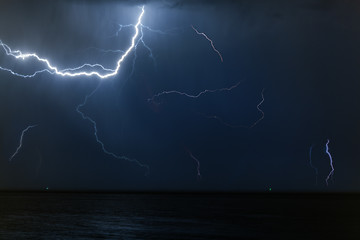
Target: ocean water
178 216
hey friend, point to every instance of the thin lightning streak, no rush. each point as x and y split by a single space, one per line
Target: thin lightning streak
206 91
146 46
71 72
21 141
259 109
154 30
331 174
311 165
121 26
153 98
211 42
135 54
197 163
24 76
133 65
240 126
105 51
85 117
172 31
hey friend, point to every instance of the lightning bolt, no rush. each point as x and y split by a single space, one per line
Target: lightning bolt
196 161
260 110
78 71
311 165
21 141
331 174
140 40
151 55
167 32
73 72
211 42
153 98
219 119
207 91
106 51
85 117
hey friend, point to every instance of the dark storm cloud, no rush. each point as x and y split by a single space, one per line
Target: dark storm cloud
311 4
319 5
304 53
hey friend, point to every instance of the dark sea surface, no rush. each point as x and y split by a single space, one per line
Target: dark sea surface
178 216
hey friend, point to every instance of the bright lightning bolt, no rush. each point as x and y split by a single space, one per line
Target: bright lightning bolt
85 117
21 140
211 42
311 164
77 71
140 40
73 72
331 174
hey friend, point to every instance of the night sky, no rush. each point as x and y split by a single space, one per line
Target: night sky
304 55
